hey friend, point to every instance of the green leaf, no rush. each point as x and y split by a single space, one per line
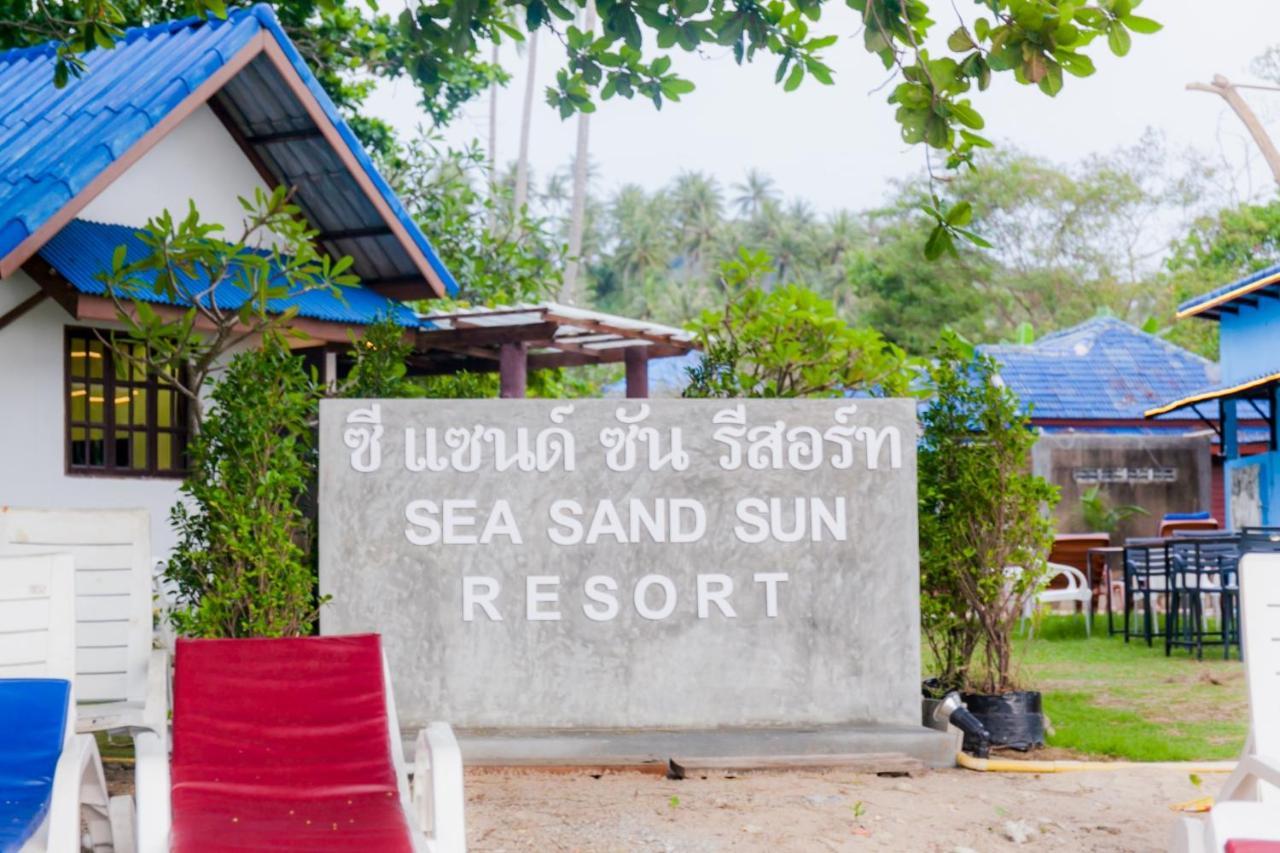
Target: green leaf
794 78
1051 83
960 214
1138 24
820 72
1075 64
1118 38
939 243
960 40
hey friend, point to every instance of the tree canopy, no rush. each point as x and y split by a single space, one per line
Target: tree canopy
442 46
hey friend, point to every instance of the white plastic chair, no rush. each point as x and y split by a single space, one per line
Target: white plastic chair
1077 589
1248 808
120 680
37 610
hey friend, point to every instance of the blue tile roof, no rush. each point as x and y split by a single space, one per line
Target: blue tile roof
83 250
55 142
1103 369
1254 278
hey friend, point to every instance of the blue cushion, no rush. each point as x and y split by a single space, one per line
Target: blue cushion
33 717
1187 516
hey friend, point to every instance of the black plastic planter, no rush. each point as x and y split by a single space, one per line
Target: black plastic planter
1015 720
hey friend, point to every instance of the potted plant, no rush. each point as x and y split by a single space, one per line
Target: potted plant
984 538
1100 516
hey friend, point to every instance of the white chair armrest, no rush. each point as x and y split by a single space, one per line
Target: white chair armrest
155 714
1252 770
152 714
151 791
79 792
151 756
437 789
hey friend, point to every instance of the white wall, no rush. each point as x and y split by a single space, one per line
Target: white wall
199 161
32 425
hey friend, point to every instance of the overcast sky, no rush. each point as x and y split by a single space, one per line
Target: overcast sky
838 145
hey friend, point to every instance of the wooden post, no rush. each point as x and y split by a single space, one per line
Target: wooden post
637 361
330 370
1227 423
513 370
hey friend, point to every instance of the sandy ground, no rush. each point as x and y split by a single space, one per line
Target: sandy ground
942 811
952 811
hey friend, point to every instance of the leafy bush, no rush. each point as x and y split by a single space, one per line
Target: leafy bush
788 342
981 512
380 369
243 567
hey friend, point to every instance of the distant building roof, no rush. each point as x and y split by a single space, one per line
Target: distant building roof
83 250
60 147
1102 369
1213 303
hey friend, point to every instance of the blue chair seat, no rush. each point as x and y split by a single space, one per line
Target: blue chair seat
33 717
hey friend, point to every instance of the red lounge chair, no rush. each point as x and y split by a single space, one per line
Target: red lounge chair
293 744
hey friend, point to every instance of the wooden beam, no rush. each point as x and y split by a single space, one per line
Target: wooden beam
284 136
620 331
547 360
428 339
52 283
513 370
316 332
23 307
637 361
356 233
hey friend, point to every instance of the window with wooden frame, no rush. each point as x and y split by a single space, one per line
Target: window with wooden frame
122 420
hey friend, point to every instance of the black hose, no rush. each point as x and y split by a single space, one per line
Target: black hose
979 737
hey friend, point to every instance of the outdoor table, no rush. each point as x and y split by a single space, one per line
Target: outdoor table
1105 553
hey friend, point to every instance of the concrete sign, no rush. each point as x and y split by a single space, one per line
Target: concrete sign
638 564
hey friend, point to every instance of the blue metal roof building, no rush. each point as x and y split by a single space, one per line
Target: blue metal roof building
59 148
83 249
1248 315
1102 369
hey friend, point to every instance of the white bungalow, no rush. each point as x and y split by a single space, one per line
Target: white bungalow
192 110
207 111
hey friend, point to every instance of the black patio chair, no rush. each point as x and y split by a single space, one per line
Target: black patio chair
1202 569
1146 580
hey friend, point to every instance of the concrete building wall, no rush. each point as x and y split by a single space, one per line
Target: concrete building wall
199 161
1076 463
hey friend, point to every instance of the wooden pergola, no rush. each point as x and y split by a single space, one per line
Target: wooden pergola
518 338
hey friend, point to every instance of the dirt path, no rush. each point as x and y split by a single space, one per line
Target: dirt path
951 811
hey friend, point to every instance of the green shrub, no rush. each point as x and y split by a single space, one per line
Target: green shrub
981 511
243 564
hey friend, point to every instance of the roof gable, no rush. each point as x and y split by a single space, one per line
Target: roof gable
82 250
1213 303
1102 369
59 148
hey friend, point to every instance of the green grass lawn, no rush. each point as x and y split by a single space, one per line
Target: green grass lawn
1108 699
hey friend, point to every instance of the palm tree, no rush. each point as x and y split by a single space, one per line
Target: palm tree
699 208
493 146
526 121
644 238
754 193
577 219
